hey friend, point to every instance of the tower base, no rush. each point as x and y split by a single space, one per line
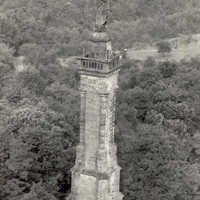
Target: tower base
91 185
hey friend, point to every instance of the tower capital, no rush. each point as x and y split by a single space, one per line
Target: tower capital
98 58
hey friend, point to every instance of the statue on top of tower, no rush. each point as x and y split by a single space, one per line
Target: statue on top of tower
102 15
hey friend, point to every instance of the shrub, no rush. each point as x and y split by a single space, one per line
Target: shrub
167 69
164 47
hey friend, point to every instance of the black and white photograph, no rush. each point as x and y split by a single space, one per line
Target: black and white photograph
99 99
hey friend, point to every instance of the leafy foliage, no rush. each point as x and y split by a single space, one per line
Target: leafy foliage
151 149
39 104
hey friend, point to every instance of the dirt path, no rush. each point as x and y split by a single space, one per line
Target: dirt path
176 54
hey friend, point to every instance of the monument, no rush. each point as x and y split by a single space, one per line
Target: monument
96 174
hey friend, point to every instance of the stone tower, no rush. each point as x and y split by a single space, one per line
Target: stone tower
96 174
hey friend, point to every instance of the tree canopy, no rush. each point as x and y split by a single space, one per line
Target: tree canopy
39 103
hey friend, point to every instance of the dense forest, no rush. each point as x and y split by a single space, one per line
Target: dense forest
158 103
62 26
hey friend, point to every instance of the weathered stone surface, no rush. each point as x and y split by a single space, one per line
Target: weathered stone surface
96 173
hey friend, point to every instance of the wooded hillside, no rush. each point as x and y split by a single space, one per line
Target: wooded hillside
63 25
39 106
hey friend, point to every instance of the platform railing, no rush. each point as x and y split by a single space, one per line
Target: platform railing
95 65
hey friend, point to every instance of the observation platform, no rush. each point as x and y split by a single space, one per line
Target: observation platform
99 67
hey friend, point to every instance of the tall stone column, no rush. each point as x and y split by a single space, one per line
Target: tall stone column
96 173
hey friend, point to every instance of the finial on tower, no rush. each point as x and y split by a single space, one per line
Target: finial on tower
103 9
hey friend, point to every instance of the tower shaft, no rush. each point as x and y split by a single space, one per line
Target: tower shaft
96 173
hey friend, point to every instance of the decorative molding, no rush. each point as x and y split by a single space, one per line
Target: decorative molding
99 85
